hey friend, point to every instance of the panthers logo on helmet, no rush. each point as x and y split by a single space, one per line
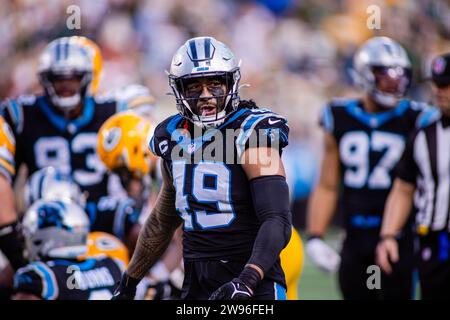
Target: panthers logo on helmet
50 215
42 239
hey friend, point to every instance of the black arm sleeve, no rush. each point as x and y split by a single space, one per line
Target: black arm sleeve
270 196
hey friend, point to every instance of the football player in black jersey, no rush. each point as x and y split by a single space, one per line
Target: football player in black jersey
59 128
364 139
56 234
223 179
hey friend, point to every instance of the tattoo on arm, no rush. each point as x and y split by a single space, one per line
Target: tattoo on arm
157 231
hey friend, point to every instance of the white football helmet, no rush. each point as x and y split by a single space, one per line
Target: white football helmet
55 229
50 184
385 55
204 57
65 57
136 98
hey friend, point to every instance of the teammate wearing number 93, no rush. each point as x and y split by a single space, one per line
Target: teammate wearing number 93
59 128
223 179
364 140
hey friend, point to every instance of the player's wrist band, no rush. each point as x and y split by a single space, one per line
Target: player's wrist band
314 236
129 282
251 277
388 236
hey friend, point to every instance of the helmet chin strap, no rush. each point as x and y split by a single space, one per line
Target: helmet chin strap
66 103
385 99
211 121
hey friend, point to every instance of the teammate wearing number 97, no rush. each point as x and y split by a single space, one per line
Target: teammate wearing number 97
223 179
364 139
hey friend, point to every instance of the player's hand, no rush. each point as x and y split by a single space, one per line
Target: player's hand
126 290
233 290
387 252
322 255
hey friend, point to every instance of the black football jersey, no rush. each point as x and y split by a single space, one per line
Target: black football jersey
370 145
113 215
91 279
212 190
45 138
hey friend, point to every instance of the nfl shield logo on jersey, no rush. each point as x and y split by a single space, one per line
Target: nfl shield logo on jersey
191 147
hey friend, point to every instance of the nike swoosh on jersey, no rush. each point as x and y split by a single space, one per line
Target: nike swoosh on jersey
273 122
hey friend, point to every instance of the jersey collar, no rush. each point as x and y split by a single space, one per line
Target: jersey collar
192 145
375 120
63 124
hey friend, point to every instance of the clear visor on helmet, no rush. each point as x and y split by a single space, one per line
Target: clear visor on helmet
193 90
392 80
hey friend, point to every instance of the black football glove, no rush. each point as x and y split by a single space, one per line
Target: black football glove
126 290
233 290
240 288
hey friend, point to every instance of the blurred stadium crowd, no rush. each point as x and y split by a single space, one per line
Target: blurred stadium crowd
296 54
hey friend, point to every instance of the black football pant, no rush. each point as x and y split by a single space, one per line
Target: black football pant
202 278
434 266
358 254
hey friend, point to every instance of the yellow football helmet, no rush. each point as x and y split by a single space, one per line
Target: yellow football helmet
7 148
123 143
102 244
97 61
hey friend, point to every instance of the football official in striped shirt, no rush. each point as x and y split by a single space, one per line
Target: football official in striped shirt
423 180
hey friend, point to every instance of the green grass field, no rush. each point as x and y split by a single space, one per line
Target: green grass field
315 284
